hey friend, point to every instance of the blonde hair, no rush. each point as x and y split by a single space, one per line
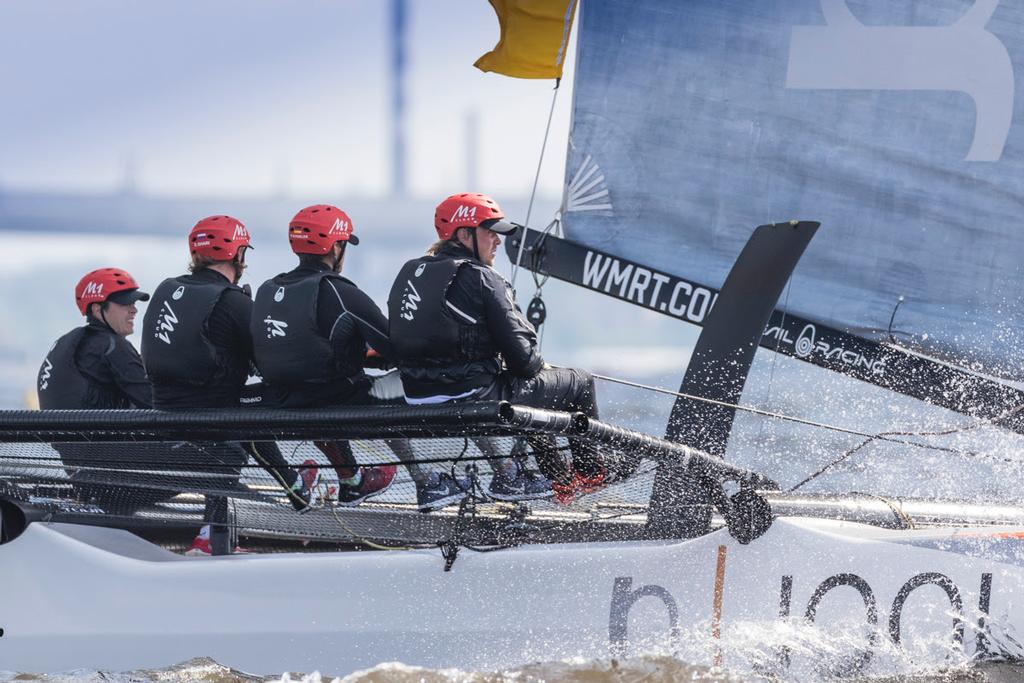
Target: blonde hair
200 262
436 247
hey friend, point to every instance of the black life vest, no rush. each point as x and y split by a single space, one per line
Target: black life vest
61 386
175 345
287 342
423 327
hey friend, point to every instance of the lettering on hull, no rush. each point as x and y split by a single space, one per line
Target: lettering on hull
892 623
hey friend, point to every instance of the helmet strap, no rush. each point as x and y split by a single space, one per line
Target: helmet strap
476 247
336 260
238 263
103 315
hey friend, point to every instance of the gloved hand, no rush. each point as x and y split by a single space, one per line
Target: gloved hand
375 360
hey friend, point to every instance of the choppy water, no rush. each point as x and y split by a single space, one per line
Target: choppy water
652 669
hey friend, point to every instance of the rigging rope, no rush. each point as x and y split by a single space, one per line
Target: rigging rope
536 179
362 539
538 280
869 437
946 432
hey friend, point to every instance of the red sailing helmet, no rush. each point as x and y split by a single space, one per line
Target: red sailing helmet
218 238
315 229
469 210
99 285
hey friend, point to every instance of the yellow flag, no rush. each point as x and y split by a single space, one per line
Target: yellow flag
534 38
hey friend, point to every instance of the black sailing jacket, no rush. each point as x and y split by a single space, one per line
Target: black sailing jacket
195 341
311 329
93 367
469 329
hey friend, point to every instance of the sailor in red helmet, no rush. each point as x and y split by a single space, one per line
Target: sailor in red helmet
459 335
195 340
311 330
197 348
95 366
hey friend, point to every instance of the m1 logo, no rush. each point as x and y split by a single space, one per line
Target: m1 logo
166 321
275 328
44 376
464 213
340 227
410 299
93 289
241 232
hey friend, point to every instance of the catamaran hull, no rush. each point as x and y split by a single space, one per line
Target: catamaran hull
86 597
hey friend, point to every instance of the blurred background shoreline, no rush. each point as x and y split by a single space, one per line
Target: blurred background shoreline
119 137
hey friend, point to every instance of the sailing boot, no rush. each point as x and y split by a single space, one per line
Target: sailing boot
201 543
367 483
440 490
201 546
516 482
580 485
589 473
552 462
303 494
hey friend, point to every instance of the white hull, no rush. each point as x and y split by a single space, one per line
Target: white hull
85 597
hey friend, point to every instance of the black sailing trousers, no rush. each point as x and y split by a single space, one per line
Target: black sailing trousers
565 389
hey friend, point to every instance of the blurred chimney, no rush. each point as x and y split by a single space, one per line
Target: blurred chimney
283 180
398 40
130 178
472 147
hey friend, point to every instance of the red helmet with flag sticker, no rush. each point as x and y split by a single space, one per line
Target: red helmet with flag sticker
218 238
315 229
469 210
102 284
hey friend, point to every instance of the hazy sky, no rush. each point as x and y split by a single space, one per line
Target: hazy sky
249 97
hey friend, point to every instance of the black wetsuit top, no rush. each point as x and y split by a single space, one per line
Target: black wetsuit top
227 329
107 362
352 322
494 336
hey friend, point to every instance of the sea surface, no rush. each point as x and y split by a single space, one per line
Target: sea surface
651 669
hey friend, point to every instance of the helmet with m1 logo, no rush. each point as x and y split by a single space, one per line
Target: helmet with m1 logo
105 284
315 229
470 210
218 238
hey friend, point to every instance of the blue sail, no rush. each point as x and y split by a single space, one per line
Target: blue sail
891 123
